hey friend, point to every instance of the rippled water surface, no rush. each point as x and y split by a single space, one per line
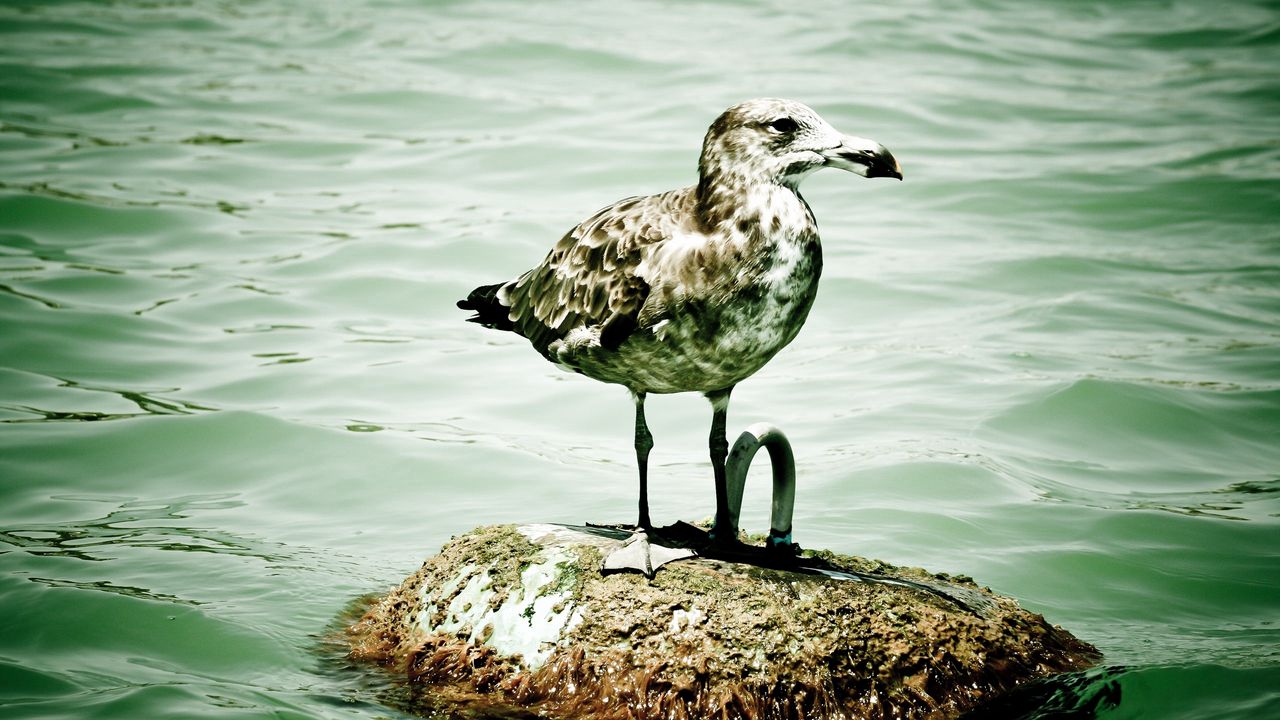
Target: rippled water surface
235 394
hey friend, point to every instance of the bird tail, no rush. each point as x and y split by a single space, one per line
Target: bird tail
489 311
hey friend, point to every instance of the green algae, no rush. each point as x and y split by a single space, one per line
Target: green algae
711 638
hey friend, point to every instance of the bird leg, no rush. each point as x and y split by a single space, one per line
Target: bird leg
644 443
723 531
639 553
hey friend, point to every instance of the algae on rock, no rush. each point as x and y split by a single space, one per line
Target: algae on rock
523 614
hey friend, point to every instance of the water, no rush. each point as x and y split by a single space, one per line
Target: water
235 395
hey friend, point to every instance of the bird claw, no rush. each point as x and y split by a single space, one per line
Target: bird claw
640 555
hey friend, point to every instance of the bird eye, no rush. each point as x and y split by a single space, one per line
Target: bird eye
784 125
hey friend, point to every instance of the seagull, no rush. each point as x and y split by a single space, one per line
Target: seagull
695 289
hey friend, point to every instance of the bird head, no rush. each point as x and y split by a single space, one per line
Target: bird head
782 141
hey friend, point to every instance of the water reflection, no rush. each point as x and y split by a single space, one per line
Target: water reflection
148 402
10 290
1071 696
139 523
106 586
1240 501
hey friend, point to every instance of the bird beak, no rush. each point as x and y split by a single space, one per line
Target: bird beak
864 157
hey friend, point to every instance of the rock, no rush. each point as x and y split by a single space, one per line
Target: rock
523 616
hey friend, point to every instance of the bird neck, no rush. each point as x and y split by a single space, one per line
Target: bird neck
725 198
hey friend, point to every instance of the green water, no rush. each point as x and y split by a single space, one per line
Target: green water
235 395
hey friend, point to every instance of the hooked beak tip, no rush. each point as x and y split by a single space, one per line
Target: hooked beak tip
884 164
864 157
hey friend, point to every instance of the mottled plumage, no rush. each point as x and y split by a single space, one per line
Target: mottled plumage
693 289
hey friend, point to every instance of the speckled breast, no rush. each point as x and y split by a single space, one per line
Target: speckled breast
714 344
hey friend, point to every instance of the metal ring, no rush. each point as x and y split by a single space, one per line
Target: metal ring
784 477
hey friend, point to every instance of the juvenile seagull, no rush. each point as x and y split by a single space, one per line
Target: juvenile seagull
695 289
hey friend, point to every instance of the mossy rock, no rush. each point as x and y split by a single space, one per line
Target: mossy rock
522 615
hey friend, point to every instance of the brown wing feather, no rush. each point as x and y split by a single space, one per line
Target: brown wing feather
589 278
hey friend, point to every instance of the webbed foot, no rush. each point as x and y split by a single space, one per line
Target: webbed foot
640 555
